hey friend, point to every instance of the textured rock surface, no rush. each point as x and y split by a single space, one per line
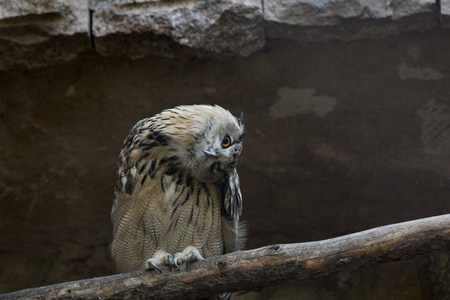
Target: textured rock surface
36 33
55 17
39 33
220 27
347 19
331 12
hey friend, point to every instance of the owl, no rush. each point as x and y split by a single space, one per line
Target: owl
177 196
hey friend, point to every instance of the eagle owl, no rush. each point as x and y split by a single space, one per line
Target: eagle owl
177 197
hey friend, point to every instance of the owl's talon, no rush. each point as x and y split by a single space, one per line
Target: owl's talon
152 266
193 256
177 259
169 261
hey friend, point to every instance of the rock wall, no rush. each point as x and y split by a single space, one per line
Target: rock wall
36 33
344 133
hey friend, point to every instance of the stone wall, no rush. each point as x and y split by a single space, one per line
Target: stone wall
346 113
37 33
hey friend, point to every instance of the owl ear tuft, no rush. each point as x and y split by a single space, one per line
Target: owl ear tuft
241 121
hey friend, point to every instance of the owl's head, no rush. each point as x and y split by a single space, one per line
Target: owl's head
209 140
217 150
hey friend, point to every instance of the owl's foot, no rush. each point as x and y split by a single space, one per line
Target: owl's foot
193 256
161 258
151 265
188 255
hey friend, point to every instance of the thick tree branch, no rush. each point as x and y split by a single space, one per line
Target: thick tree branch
263 267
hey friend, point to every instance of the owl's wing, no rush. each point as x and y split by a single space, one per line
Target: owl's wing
233 197
138 197
136 227
127 165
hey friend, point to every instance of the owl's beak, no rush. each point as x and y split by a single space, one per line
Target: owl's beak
211 152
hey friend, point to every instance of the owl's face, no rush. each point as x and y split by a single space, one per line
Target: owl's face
217 151
204 140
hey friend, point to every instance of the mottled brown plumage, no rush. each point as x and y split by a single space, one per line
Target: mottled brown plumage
177 197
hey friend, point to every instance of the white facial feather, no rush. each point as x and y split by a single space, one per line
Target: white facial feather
207 127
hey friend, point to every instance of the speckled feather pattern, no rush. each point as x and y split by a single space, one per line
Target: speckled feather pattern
177 187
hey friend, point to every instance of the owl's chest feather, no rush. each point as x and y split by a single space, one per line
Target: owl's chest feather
191 215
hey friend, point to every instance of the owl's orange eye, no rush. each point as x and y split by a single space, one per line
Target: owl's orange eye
226 142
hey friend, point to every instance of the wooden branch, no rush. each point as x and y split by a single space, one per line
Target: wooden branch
266 266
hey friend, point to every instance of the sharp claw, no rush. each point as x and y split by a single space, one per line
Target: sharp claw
153 266
189 257
175 262
177 267
170 259
193 256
